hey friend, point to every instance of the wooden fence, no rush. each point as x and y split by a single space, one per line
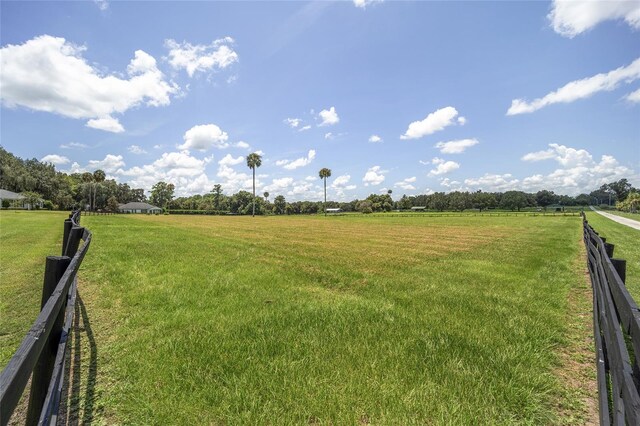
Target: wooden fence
43 350
616 324
454 214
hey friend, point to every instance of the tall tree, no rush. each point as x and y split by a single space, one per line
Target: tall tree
87 178
513 200
279 204
217 194
621 188
162 194
254 160
98 177
545 198
324 173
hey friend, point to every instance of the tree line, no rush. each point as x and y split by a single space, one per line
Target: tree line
93 191
62 191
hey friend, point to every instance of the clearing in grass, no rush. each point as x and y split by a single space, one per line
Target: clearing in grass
298 320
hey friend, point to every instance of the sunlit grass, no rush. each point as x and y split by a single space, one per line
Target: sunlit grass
26 238
626 244
297 320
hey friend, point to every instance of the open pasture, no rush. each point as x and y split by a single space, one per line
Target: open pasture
339 320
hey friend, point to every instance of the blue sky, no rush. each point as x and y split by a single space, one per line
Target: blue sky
415 97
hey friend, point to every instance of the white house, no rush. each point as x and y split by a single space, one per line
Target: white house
13 198
135 207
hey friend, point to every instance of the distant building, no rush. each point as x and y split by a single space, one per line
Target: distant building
135 207
15 200
338 210
418 208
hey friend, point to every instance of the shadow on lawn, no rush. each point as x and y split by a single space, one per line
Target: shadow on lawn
74 408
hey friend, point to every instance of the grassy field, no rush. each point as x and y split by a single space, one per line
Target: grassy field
340 320
26 238
626 241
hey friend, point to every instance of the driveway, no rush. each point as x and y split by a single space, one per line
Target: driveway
623 220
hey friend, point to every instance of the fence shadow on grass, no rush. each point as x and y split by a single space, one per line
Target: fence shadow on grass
76 409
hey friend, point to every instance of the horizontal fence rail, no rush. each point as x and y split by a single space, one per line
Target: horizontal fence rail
459 214
616 324
41 355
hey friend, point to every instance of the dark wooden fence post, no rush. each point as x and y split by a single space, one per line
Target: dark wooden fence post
621 268
608 248
75 236
54 269
65 236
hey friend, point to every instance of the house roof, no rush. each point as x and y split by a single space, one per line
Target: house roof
138 206
9 195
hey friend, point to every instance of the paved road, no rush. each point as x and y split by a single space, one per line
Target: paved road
623 220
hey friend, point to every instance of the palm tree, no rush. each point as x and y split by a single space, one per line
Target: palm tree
87 178
98 177
324 174
254 160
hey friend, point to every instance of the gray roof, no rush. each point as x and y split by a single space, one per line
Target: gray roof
8 195
138 206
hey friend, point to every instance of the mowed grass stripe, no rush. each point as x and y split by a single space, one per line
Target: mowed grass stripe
295 320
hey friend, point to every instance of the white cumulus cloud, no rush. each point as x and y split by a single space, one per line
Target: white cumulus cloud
64 83
434 122
564 155
204 137
300 162
293 122
109 164
362 4
633 97
329 117
135 149
572 17
578 172
201 57
456 146
228 160
55 159
580 89
374 176
278 185
406 184
108 124
443 167
375 139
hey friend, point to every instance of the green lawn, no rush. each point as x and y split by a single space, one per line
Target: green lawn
626 244
26 239
339 320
